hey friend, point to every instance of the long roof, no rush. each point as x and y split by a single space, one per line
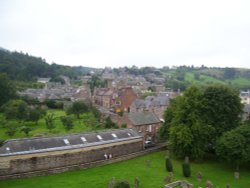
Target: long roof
70 141
143 118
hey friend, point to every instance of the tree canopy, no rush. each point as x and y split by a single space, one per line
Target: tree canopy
196 119
7 90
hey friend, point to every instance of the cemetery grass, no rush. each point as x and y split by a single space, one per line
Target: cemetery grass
87 122
219 173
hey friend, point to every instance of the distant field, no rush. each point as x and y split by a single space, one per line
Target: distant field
86 123
206 80
219 173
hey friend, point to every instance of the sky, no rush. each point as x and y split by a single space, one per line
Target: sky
118 33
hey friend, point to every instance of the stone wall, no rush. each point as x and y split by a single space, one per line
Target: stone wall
51 160
82 165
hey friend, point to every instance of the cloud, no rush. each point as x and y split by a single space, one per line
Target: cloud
125 33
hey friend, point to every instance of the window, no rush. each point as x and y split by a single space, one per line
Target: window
114 135
129 134
83 139
66 141
150 128
7 149
99 137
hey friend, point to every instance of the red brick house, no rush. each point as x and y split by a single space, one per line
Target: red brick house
124 98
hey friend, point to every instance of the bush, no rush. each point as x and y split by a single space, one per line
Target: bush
186 168
121 184
169 166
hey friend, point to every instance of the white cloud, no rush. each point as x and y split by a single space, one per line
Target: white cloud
119 33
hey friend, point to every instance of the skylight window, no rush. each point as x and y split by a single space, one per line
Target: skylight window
7 149
66 141
99 137
114 135
129 134
83 139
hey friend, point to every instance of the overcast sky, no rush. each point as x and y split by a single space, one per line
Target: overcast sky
125 33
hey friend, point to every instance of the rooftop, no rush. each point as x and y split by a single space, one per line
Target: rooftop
70 141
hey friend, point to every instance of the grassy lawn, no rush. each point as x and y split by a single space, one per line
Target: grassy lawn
219 173
85 123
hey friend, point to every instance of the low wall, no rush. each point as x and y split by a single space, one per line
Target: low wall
70 167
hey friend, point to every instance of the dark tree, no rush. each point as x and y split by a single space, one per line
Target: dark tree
78 108
16 109
49 121
7 90
67 122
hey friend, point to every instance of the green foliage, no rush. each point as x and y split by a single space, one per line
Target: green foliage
229 73
7 90
78 108
186 168
120 113
221 108
1 142
121 184
195 120
35 115
169 166
234 145
124 125
26 130
49 121
95 81
23 67
109 123
11 131
16 109
54 104
67 122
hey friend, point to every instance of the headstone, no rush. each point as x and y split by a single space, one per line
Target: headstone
209 184
199 176
236 175
137 182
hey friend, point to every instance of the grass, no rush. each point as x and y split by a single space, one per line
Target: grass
84 124
219 173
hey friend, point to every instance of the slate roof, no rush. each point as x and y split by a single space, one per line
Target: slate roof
143 118
151 101
70 141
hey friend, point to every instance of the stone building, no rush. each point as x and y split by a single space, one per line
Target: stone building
42 153
146 123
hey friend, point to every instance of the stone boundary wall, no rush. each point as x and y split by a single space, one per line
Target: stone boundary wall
82 165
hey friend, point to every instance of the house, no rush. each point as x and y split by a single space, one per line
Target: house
245 97
155 104
123 99
19 156
119 99
146 123
246 110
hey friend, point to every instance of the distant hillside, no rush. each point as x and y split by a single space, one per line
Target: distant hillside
24 67
183 76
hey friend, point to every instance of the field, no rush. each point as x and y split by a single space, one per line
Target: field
151 176
87 122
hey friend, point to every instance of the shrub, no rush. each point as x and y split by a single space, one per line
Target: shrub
121 184
169 166
186 168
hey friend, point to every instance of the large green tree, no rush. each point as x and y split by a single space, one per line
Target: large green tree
221 108
16 109
7 90
195 120
77 108
234 145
